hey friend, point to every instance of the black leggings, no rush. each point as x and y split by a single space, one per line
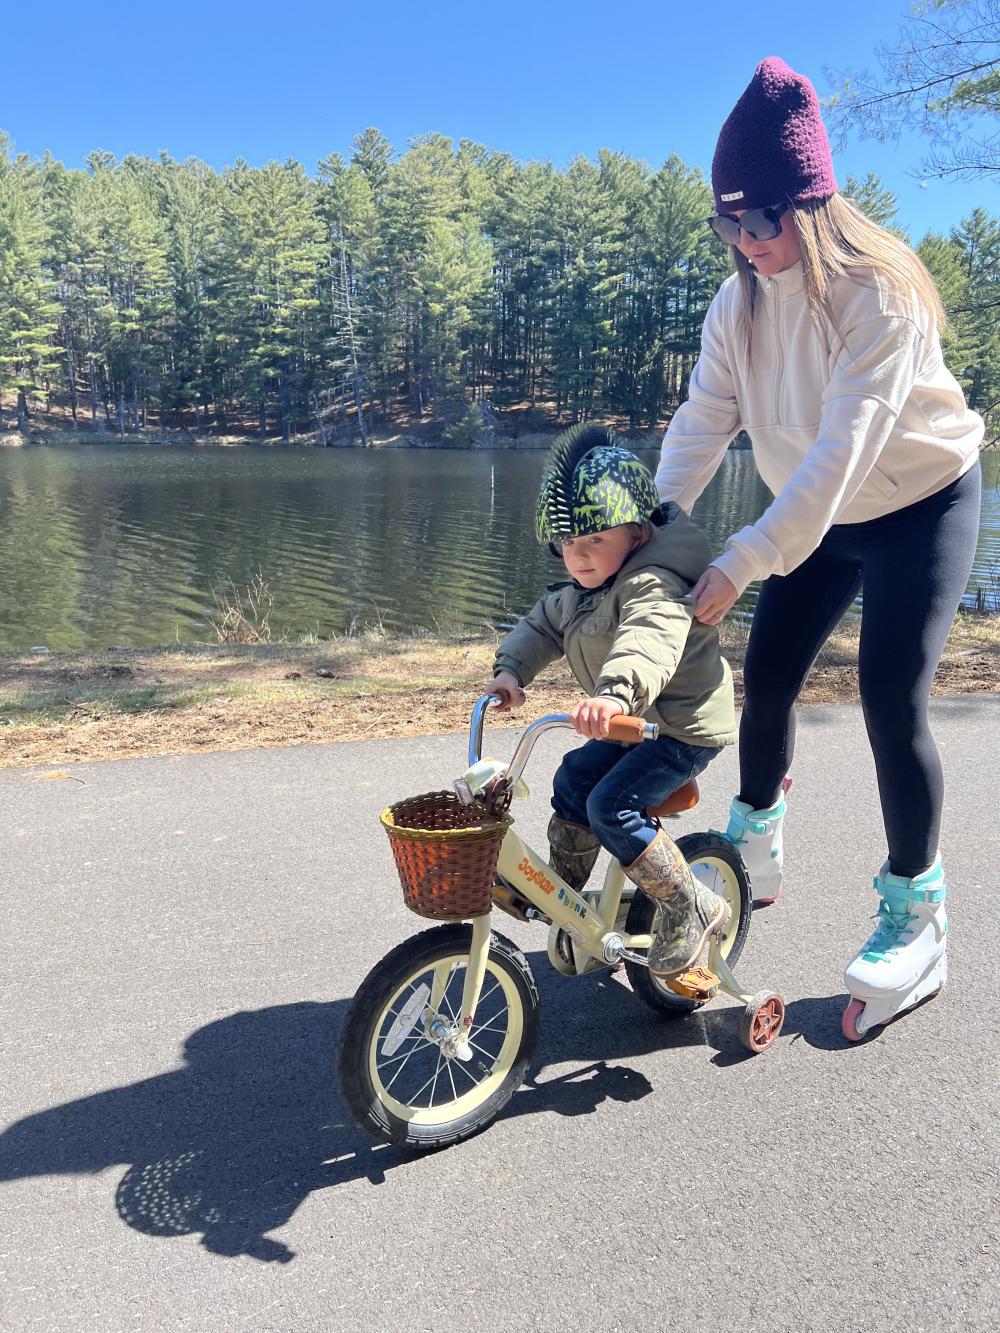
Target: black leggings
914 566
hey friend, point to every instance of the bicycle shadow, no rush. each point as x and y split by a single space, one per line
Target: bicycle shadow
599 1017
229 1144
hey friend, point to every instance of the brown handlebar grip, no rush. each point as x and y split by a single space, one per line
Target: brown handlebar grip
628 729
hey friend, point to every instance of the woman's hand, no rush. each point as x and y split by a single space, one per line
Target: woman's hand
714 595
592 717
505 684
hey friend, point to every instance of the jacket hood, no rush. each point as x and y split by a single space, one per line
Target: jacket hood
679 545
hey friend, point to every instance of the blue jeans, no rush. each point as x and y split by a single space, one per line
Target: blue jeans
608 786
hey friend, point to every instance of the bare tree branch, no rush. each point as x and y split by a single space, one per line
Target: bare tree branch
942 77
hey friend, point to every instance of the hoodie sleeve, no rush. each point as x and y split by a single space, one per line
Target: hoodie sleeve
871 381
702 427
534 642
654 621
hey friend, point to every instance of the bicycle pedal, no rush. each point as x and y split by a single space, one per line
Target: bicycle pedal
697 983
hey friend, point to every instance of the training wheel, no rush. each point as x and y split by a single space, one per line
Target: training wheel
761 1020
850 1020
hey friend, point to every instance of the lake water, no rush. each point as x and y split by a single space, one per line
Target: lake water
103 545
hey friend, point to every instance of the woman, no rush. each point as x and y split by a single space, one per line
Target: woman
824 347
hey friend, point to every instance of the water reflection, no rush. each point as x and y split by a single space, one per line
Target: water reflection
109 545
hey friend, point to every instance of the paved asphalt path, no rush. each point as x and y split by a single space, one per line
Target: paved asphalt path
180 943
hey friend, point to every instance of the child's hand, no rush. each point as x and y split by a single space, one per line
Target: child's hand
504 684
592 717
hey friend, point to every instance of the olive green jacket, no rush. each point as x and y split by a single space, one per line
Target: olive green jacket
635 638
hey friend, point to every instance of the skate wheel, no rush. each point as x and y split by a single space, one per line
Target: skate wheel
851 1018
761 1021
766 902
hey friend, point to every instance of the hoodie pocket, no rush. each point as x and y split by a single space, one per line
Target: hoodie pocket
882 482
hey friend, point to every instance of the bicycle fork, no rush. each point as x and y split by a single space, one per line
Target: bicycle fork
452 1037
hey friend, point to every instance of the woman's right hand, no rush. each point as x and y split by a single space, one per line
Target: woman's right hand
506 685
714 595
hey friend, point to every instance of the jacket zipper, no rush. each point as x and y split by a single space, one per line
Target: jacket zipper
780 368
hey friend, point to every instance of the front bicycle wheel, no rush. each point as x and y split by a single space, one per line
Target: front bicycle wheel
398 1069
717 864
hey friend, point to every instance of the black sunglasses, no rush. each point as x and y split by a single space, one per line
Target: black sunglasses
763 224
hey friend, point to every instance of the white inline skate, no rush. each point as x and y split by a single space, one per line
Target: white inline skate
757 833
905 960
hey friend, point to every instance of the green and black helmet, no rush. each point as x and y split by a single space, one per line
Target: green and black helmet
592 483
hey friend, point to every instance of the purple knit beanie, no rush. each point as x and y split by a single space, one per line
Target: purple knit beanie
774 146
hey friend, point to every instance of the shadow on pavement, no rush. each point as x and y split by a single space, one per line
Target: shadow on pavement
231 1143
816 1020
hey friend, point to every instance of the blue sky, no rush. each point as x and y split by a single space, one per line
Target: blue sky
538 80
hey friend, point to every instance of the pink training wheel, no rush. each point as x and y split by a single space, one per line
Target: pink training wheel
849 1022
761 1021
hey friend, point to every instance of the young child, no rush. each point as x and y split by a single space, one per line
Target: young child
624 623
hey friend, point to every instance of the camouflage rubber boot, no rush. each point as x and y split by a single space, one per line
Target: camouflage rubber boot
573 850
689 912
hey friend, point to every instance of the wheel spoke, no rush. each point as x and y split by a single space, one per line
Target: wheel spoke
406 1057
482 1051
411 1036
451 1012
413 1098
439 988
463 1068
485 1027
386 1062
437 1071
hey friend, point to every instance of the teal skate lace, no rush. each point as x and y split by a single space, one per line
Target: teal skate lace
891 933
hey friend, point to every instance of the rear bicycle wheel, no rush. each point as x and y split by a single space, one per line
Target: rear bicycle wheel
398 1070
717 864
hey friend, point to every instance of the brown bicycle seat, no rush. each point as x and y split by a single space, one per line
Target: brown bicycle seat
684 798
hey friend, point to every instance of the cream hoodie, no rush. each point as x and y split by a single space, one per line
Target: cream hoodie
850 418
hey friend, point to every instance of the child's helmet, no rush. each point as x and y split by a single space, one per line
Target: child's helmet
592 483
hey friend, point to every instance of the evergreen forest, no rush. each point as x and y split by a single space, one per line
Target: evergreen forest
384 287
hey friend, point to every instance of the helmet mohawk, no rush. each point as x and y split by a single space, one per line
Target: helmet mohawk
592 483
557 496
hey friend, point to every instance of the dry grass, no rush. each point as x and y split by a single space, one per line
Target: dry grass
243 616
57 708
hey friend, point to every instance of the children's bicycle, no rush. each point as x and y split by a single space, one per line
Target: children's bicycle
441 1032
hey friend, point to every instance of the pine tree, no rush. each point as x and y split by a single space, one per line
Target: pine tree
187 198
687 267
134 274
978 237
268 281
28 307
75 261
874 200
526 257
347 207
588 226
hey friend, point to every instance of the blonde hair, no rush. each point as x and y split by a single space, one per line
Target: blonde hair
836 240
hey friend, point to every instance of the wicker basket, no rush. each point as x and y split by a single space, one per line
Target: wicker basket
446 854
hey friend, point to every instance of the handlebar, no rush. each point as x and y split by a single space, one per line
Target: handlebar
628 730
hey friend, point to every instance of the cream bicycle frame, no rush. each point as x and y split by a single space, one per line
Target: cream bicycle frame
590 925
